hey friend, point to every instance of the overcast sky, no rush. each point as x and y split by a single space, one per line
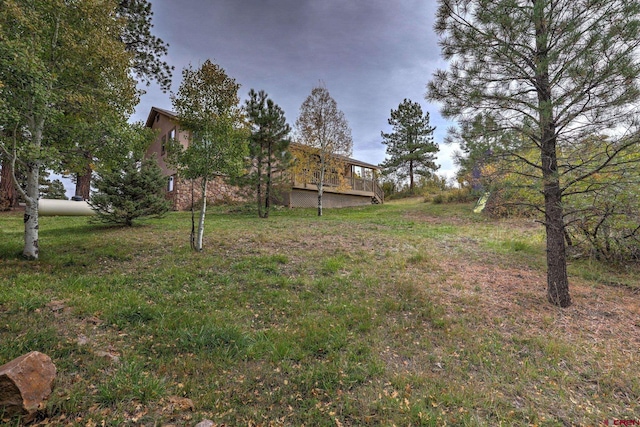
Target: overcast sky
370 54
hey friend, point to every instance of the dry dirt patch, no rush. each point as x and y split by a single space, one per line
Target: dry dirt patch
599 314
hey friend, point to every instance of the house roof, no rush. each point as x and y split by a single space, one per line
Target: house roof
155 111
359 163
349 160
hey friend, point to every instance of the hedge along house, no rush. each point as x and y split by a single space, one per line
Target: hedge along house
179 190
351 183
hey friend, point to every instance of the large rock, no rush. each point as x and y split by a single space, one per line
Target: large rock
25 384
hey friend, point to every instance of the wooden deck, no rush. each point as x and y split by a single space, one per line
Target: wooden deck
354 186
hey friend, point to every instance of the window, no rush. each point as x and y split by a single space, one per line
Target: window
164 145
172 134
170 184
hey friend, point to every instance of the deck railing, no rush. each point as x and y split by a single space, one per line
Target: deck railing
351 183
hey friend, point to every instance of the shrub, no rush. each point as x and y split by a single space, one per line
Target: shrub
134 191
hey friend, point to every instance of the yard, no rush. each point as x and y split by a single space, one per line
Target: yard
406 313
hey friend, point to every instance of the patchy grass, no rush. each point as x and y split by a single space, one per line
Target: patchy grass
408 313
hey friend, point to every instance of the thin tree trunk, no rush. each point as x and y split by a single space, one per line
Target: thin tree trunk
32 195
320 188
203 211
267 198
259 186
31 220
557 280
411 184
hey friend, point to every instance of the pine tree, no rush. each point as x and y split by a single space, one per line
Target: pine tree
51 189
553 72
134 191
268 147
410 146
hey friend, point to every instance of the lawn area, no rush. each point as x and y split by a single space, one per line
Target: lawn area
406 314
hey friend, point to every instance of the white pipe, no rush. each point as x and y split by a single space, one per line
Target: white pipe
52 207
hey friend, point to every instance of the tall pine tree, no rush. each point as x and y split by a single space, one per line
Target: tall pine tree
410 146
552 72
268 147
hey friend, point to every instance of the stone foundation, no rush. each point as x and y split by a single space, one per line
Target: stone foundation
218 192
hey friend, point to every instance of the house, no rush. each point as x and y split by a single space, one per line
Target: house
352 184
181 192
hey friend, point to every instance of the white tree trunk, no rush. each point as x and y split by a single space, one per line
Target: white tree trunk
31 222
320 185
32 193
203 211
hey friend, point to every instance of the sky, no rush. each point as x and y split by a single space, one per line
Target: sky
369 54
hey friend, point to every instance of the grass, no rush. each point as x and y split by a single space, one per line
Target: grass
407 313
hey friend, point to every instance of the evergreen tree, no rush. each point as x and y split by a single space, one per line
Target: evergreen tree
410 146
268 147
86 130
136 190
147 49
51 189
552 72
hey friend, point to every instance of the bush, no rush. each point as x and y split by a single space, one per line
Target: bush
134 191
452 195
605 226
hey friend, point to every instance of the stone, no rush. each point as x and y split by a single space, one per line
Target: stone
26 384
205 423
177 403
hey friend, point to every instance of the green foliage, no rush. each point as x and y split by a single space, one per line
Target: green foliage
603 213
452 195
60 63
147 48
410 147
51 189
136 190
425 185
543 77
269 155
207 107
